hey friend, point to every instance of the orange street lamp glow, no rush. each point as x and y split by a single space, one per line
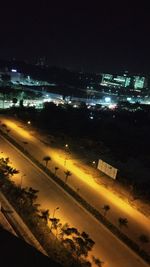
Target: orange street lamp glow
23 133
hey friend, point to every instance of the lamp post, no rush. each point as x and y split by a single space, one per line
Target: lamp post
22 180
65 160
55 211
94 163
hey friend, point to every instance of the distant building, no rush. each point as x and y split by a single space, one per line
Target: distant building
16 77
122 81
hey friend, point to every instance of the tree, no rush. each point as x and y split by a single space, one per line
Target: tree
70 230
32 195
106 208
67 173
62 230
14 100
45 215
56 169
83 245
123 222
4 167
69 243
46 159
19 194
54 223
97 261
144 239
10 170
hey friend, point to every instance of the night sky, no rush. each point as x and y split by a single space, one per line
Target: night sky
80 36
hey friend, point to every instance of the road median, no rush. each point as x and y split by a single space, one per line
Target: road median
101 218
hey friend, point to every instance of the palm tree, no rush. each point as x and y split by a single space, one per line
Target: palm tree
67 173
6 160
54 223
13 171
46 159
63 230
45 215
106 208
56 169
84 244
10 170
32 194
123 222
97 261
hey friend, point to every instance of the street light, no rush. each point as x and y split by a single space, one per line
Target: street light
28 122
94 163
66 146
22 180
55 211
53 217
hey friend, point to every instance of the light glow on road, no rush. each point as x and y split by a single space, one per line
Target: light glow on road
18 129
80 174
88 179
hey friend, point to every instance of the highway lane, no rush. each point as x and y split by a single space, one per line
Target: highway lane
94 193
108 248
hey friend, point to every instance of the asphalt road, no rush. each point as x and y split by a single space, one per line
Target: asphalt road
80 180
108 248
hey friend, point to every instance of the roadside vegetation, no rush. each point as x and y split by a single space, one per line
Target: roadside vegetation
119 137
62 242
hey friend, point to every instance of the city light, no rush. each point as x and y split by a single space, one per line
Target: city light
107 99
112 106
13 70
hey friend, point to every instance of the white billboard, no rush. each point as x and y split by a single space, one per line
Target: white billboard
107 169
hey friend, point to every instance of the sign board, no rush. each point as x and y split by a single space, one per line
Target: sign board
107 169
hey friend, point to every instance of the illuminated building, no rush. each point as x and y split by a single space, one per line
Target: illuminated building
17 78
118 81
139 82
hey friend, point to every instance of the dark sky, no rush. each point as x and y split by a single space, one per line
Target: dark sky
78 35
